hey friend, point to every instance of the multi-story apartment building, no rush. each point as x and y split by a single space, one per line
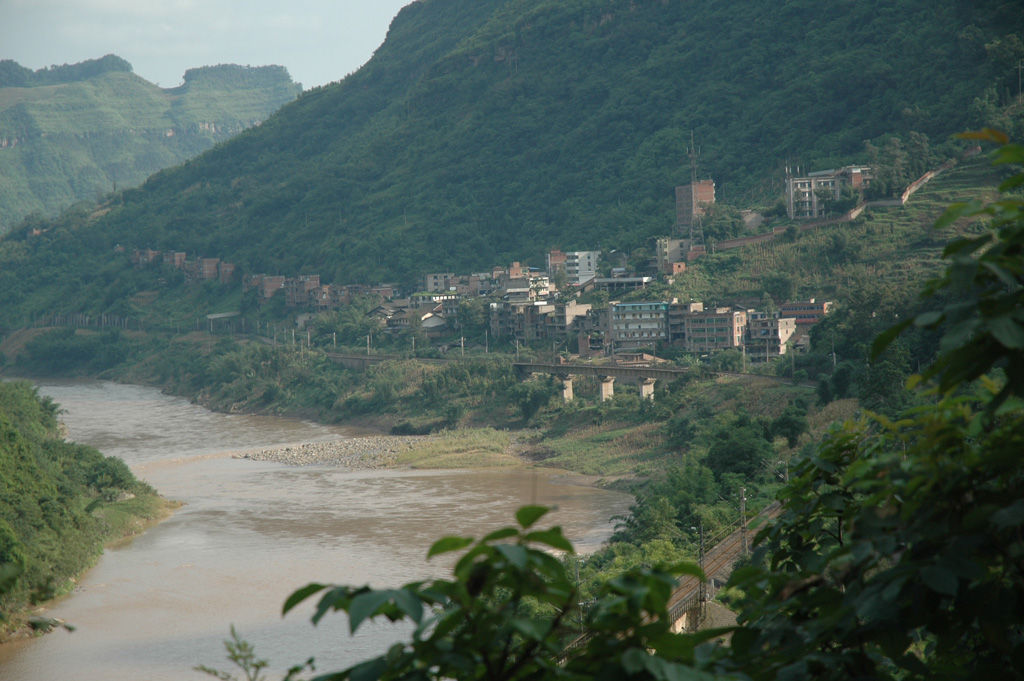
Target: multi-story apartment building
639 324
437 281
560 321
677 314
716 329
768 335
669 252
581 266
297 290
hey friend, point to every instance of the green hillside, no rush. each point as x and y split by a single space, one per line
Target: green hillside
78 132
486 132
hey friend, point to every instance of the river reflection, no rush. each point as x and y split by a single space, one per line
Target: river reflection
252 532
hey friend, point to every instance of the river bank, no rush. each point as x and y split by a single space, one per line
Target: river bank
126 520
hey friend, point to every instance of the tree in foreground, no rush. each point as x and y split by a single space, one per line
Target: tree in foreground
899 553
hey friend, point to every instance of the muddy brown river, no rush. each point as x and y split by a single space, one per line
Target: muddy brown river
253 532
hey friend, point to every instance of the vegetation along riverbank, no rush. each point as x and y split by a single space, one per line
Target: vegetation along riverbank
61 504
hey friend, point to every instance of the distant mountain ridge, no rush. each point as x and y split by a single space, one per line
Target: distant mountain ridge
13 74
76 132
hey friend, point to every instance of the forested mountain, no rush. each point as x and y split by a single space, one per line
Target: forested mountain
485 131
79 131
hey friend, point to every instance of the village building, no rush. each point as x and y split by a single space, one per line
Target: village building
175 259
555 261
225 271
581 266
265 285
692 200
807 195
437 281
769 335
638 324
141 257
297 290
719 328
806 311
677 314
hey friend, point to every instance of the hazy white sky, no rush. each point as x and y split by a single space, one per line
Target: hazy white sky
319 41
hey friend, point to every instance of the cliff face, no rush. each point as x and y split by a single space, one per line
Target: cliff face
76 132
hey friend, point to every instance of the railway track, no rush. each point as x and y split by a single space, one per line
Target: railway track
718 562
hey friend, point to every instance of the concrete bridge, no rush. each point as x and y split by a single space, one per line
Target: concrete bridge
607 373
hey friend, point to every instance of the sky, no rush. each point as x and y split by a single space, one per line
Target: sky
318 41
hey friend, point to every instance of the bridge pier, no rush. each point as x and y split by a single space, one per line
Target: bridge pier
647 389
566 387
607 387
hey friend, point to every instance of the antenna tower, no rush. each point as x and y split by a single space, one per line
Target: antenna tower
696 235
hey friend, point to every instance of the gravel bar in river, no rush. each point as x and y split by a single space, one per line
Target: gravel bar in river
375 451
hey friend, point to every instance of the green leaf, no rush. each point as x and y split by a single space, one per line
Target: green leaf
686 568
514 554
365 605
533 629
503 533
928 318
528 515
1011 516
300 595
951 215
940 580
409 603
552 537
448 544
1007 331
633 660
330 600
1008 279
1012 182
371 670
888 336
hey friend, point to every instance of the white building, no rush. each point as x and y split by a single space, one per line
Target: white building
581 266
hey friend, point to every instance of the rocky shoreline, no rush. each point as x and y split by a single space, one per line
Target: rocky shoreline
360 453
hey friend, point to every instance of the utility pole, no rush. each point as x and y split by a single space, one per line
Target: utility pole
1020 69
743 519
833 353
703 582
